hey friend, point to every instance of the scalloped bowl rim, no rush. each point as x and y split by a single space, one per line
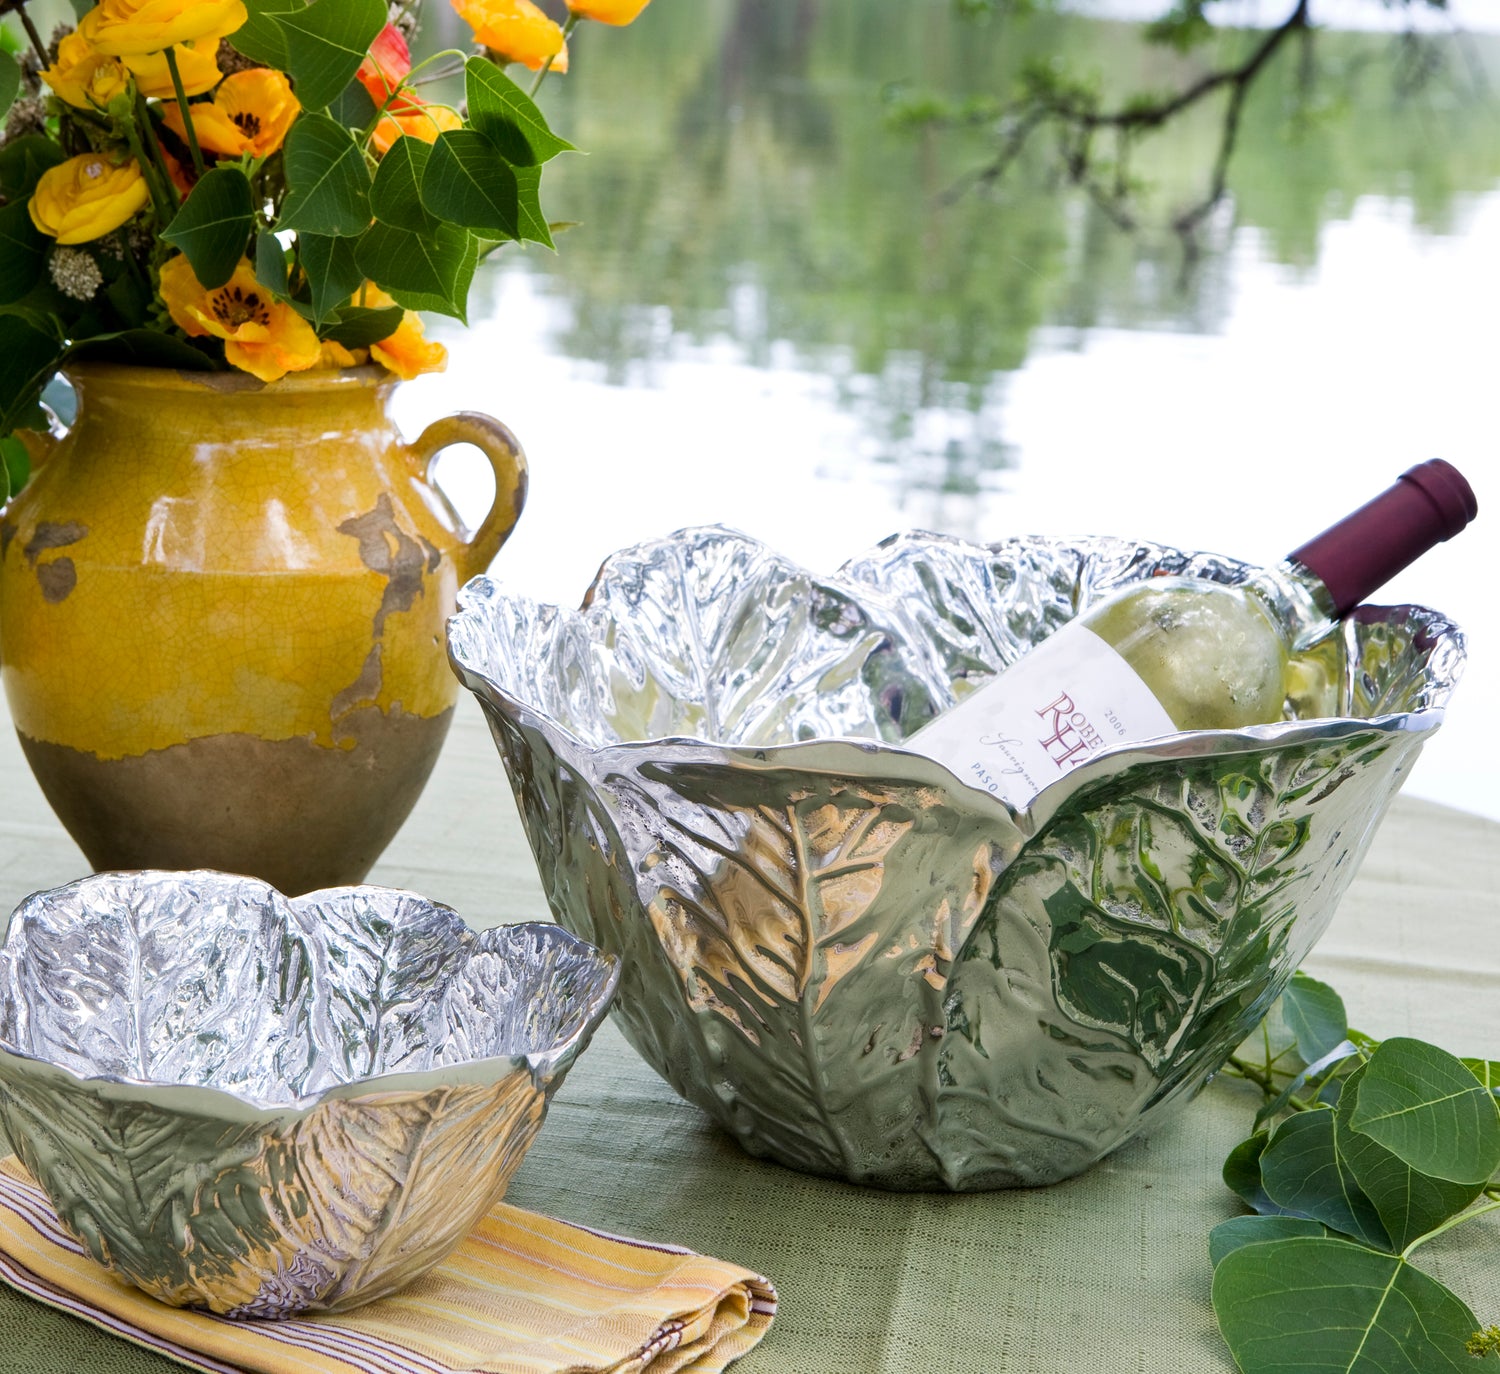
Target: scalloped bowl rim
207 1099
483 590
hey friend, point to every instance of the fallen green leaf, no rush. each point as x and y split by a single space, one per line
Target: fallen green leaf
1424 1106
1302 1172
1409 1203
1315 1013
1228 1236
1304 1304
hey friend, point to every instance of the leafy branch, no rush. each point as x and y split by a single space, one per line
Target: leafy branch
1096 139
1363 1152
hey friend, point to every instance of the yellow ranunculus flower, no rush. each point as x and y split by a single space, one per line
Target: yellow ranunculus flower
84 76
197 64
133 28
262 336
516 30
608 11
250 113
86 197
407 352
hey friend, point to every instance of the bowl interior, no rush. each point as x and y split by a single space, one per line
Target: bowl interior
710 635
218 981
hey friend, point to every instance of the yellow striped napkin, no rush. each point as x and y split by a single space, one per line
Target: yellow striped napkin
524 1294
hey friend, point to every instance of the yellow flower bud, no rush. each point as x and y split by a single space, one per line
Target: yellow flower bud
83 76
133 28
86 197
608 11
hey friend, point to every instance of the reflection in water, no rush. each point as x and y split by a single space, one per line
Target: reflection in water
743 186
770 318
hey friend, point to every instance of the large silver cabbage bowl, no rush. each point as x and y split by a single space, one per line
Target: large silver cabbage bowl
858 965
264 1105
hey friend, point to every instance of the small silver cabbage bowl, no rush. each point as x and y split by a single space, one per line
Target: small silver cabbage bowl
263 1105
853 962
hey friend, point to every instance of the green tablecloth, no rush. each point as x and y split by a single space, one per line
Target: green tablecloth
1106 1272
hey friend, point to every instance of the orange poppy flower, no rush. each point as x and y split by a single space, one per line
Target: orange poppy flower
334 356
262 336
383 71
182 177
407 352
250 113
423 121
608 11
515 31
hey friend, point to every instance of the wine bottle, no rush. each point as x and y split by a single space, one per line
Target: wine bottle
1188 653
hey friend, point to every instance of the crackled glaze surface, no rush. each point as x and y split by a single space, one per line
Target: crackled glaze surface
221 612
261 1105
857 964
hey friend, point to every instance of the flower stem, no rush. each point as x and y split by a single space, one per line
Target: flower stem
163 193
407 80
1449 1225
187 118
569 25
32 34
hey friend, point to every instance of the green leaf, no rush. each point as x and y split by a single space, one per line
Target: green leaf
332 273
326 42
22 163
261 37
214 225
1228 1236
328 184
1315 1013
531 223
149 348
15 467
131 300
421 271
1306 1304
508 117
31 357
1242 1174
10 82
23 253
1425 1107
361 326
1319 1071
1409 1203
1302 1172
352 107
270 263
467 182
1487 1071
396 196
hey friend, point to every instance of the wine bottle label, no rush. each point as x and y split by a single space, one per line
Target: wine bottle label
1057 707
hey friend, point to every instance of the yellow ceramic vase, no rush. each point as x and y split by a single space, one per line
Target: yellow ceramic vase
222 607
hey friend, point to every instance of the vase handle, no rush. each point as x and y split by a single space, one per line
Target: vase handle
500 446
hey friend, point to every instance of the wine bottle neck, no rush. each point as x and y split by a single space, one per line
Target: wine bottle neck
1428 504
